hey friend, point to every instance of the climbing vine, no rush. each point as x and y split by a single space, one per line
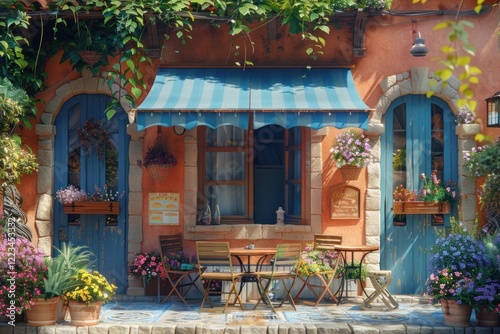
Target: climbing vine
117 29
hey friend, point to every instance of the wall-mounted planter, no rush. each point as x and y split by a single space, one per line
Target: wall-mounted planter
420 208
158 172
350 172
92 208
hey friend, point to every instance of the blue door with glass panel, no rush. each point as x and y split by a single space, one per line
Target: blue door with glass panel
101 166
419 138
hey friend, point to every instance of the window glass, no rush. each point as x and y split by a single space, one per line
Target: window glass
225 136
224 166
437 133
230 199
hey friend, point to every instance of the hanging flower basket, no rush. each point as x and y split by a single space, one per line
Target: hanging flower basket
420 208
158 172
350 172
92 208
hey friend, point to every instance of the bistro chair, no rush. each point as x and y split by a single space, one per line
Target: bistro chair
178 279
322 242
212 254
282 269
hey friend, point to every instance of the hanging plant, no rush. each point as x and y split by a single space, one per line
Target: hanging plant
94 136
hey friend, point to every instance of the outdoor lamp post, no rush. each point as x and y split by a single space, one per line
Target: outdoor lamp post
492 110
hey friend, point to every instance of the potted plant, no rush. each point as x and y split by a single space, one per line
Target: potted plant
313 261
147 266
456 264
58 278
90 291
20 280
157 159
350 151
101 201
434 197
487 294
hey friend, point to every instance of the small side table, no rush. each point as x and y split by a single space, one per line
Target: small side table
380 280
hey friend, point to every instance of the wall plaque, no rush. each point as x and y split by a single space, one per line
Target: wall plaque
344 202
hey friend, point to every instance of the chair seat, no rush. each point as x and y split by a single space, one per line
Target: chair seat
278 274
219 276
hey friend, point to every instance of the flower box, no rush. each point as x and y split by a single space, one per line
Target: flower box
92 208
420 208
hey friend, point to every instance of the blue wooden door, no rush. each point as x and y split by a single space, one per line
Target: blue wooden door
105 235
419 137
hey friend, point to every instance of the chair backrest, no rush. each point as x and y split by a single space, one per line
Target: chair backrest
326 241
213 253
287 255
170 243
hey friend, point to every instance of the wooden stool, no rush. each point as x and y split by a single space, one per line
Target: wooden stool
380 280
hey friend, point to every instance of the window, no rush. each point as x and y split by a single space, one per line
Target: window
250 174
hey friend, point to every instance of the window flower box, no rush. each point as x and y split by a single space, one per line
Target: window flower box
420 208
92 208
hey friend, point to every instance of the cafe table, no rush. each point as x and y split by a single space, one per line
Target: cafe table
245 253
347 253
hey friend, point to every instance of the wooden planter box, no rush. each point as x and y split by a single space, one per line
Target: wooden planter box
420 208
92 208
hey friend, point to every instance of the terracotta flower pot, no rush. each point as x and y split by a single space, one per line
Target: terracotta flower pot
456 315
487 318
84 315
43 312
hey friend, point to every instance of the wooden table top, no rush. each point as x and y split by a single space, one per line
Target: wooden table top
357 248
241 251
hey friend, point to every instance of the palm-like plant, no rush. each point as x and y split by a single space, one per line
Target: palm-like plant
63 268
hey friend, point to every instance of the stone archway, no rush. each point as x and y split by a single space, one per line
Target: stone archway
416 81
46 131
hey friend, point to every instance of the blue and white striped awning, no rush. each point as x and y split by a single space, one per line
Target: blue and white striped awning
288 97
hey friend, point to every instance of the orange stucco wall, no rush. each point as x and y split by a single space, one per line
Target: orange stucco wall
174 183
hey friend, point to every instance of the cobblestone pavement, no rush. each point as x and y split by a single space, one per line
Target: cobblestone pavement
141 315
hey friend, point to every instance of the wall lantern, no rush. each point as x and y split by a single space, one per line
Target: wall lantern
492 110
419 49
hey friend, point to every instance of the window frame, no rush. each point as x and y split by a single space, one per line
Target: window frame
248 182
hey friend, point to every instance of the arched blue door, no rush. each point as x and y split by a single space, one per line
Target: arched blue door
105 235
419 138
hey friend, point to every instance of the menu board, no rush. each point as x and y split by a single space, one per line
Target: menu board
344 203
163 208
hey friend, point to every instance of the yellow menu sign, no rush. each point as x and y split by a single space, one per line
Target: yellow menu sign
163 208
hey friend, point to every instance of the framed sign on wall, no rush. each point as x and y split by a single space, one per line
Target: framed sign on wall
344 202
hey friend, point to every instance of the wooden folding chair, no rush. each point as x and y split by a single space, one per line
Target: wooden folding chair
380 280
322 242
212 254
178 279
286 258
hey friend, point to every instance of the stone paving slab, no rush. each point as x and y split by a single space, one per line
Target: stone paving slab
415 315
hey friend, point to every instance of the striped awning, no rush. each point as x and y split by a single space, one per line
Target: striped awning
288 97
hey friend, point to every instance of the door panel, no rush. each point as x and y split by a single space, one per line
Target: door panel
425 130
105 235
